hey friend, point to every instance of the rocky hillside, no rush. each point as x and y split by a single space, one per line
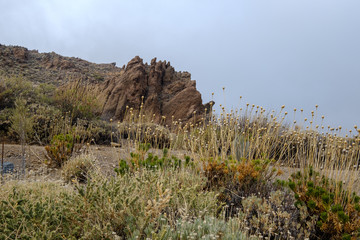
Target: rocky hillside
50 67
163 91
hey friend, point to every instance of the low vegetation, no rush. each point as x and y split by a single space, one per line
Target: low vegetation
238 175
53 110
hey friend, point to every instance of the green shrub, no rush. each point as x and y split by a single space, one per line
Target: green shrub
336 212
60 149
143 159
39 100
15 87
36 211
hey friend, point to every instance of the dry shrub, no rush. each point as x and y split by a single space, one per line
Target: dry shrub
276 217
78 168
241 179
156 135
209 228
79 99
243 174
133 206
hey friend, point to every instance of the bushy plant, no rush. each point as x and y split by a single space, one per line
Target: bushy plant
39 104
145 201
14 87
21 120
239 179
337 211
157 135
35 211
243 173
209 228
45 117
60 149
143 159
78 168
79 99
128 207
276 217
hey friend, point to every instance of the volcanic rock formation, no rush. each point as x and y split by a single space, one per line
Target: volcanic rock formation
157 86
161 90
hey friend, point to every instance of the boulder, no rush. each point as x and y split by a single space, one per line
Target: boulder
158 88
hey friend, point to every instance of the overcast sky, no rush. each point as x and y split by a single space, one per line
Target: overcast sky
297 53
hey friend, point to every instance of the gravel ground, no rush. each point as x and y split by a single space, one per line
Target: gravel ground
107 159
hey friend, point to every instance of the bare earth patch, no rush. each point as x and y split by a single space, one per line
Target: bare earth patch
107 159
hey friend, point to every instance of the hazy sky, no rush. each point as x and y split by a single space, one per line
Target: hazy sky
272 52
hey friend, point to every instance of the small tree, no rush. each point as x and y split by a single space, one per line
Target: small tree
21 124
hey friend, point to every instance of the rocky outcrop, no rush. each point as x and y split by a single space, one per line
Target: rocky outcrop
50 67
161 90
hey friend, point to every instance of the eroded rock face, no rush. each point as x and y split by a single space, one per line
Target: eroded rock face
165 92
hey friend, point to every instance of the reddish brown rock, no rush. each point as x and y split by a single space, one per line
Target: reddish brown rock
20 54
165 92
